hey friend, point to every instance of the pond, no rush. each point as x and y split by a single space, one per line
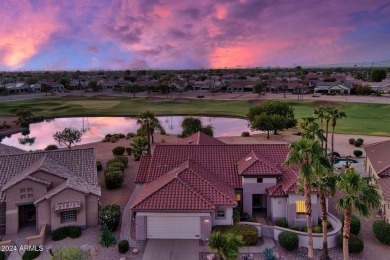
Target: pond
40 134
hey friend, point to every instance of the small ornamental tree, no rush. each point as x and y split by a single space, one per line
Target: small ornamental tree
109 217
68 137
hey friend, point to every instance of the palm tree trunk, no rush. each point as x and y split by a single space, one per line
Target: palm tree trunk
326 137
331 159
325 253
347 228
268 134
148 135
322 140
310 254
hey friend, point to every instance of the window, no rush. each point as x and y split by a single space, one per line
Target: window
238 196
220 213
22 190
259 180
68 216
300 206
30 190
22 196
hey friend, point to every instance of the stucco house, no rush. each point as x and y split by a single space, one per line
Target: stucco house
189 187
378 167
56 188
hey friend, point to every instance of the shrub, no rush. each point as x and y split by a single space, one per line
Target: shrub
99 166
51 147
294 228
119 165
381 230
113 180
107 238
24 124
357 143
357 153
317 230
113 139
123 246
268 254
128 151
109 217
281 223
74 231
111 169
245 134
355 244
250 234
112 161
304 229
118 150
2 255
351 140
236 214
288 240
130 135
355 225
59 234
31 254
123 159
69 253
360 140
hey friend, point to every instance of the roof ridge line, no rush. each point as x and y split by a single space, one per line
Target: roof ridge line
195 191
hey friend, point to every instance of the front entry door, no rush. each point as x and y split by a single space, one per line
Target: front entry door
27 215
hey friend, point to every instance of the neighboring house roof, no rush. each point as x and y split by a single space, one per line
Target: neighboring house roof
378 154
78 166
200 138
186 187
384 184
255 164
7 150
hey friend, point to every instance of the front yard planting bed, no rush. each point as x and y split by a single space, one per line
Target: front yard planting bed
249 234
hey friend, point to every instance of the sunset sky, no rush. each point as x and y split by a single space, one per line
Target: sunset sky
171 34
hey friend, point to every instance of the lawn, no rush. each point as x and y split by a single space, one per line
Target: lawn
363 118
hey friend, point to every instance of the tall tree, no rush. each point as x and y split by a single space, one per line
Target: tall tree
309 155
271 116
139 147
311 129
68 136
133 89
359 196
335 114
149 121
192 125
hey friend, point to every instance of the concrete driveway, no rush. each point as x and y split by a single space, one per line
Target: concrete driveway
171 249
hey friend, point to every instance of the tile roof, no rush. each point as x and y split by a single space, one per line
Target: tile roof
255 164
378 154
143 169
200 138
77 165
384 184
7 150
286 184
186 187
220 160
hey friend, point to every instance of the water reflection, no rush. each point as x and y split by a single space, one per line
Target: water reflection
95 128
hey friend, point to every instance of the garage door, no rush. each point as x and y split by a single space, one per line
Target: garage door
173 227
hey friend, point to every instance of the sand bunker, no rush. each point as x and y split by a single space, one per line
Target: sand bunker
319 103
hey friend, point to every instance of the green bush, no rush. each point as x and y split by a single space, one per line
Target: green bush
2 255
317 230
123 159
281 223
31 254
59 234
360 140
355 225
245 134
304 229
51 147
357 153
113 180
250 234
109 217
357 143
355 244
69 253
288 240
294 228
381 230
99 166
118 150
113 161
351 140
123 246
236 214
74 231
107 238
128 151
119 165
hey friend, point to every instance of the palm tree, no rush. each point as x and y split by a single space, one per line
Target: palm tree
359 195
225 245
320 113
311 129
148 120
139 147
335 114
309 155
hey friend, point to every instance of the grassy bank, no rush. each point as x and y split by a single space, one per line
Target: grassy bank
363 118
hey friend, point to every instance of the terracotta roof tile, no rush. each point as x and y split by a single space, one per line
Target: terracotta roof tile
255 164
200 138
142 172
378 154
7 150
384 184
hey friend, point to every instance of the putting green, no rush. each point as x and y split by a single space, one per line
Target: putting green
94 104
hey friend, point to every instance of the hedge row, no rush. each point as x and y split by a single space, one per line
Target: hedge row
64 232
249 233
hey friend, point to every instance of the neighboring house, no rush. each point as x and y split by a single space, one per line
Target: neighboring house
241 86
378 167
333 87
35 88
17 87
189 187
57 188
